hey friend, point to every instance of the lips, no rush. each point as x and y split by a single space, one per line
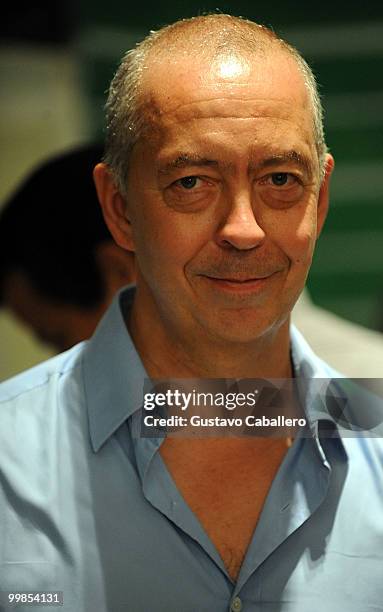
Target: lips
238 280
234 285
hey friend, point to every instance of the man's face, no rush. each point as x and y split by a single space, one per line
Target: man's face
223 195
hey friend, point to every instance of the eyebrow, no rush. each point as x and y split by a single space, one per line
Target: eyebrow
287 157
187 160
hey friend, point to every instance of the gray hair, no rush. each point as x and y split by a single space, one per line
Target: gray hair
127 109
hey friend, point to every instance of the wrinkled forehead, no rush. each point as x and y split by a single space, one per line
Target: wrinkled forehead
166 86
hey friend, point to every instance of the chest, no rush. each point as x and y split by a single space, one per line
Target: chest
227 496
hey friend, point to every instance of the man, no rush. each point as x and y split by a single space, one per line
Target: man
216 176
59 267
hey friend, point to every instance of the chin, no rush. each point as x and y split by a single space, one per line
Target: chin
244 327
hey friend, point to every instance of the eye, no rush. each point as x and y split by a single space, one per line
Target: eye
281 188
279 178
281 181
188 182
191 193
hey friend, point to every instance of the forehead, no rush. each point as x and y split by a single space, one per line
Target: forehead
251 104
169 87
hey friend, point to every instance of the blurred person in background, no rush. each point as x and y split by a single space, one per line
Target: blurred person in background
59 266
350 348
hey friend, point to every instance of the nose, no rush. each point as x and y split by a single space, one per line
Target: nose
240 228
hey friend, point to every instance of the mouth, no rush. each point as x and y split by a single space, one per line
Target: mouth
239 285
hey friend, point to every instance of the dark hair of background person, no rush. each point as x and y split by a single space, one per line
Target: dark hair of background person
50 227
59 265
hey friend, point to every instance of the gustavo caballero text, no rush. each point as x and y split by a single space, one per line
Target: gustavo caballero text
197 421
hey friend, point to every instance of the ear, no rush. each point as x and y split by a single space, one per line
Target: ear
114 207
324 195
117 267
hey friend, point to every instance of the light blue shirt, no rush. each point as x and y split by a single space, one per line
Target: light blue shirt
88 509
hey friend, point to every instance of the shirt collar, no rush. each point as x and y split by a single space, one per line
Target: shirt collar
114 374
316 384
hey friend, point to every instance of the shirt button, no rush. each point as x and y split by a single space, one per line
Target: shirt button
236 605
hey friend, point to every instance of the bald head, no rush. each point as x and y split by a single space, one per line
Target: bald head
222 41
209 35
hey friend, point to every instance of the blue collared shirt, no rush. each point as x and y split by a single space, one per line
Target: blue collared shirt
88 509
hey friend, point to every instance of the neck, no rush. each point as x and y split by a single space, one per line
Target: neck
188 351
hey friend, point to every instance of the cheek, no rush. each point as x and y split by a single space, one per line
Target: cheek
169 240
295 233
302 247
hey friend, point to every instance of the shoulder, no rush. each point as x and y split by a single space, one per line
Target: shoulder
306 361
27 387
39 410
